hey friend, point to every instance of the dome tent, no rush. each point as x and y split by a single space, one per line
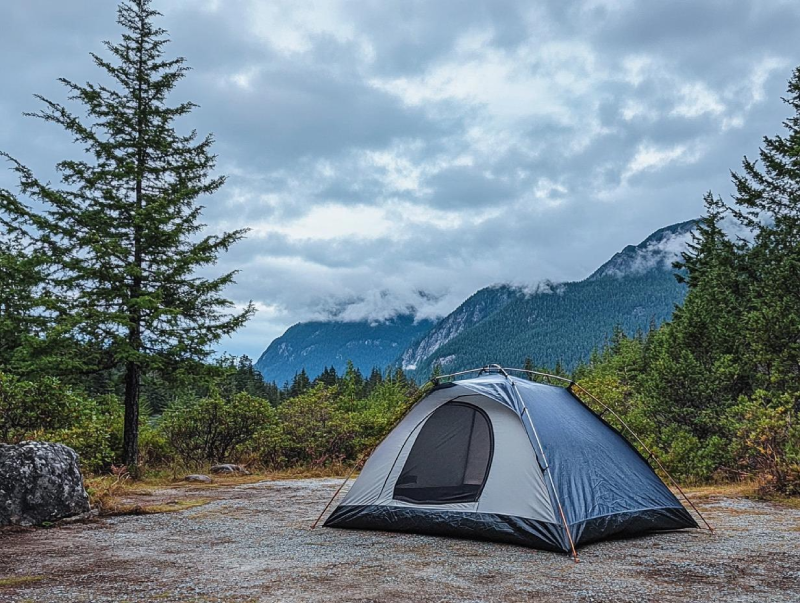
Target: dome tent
502 458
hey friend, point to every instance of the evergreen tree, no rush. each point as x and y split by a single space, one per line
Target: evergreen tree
767 201
695 363
327 377
352 383
374 380
529 366
23 302
127 220
300 384
400 377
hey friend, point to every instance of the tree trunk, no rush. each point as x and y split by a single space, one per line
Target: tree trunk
133 367
130 445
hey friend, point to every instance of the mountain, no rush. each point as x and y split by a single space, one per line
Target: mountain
657 251
478 307
550 323
564 323
319 344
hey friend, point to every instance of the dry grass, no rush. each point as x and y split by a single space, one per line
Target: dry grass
168 507
14 581
119 494
743 489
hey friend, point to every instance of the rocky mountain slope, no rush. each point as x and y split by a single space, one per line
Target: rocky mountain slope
319 344
504 324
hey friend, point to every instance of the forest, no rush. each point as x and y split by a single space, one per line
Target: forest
109 318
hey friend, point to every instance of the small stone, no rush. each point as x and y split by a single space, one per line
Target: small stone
198 478
40 483
228 468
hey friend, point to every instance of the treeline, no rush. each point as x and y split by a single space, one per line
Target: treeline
233 416
717 389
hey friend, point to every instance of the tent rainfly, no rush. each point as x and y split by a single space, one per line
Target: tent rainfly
502 458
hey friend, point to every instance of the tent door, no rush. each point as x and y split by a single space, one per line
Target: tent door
450 459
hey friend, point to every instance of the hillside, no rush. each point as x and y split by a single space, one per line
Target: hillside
565 323
477 308
319 344
501 323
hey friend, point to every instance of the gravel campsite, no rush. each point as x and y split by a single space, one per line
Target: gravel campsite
253 542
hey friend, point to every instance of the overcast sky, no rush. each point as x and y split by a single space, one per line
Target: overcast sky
390 155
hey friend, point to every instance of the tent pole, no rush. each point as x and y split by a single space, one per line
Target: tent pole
335 494
420 393
650 452
549 474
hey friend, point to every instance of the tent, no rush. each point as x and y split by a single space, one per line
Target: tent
503 458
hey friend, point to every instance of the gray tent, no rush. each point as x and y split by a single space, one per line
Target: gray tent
502 458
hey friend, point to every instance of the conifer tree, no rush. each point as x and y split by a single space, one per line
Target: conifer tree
300 384
23 301
126 221
767 201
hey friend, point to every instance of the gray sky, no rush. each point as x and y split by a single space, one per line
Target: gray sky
401 154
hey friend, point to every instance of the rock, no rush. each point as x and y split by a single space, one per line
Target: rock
195 477
229 469
40 482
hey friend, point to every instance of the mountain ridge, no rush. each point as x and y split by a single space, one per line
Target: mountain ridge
502 323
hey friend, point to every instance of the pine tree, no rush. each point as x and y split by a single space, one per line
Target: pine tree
374 380
300 384
767 201
529 366
23 302
127 219
697 364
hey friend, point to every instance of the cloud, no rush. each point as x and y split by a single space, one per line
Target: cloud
392 156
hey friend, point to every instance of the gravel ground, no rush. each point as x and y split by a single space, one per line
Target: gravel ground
254 544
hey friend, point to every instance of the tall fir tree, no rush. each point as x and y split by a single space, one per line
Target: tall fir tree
24 299
696 363
767 201
127 219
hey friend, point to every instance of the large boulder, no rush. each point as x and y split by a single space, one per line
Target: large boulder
39 482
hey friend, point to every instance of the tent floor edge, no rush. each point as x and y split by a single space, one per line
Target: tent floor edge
455 524
632 524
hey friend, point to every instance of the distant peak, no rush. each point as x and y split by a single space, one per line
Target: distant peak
657 252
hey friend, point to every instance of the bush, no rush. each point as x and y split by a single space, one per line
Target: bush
27 408
47 410
769 440
312 431
213 428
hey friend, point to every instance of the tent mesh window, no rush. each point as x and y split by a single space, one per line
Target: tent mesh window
450 459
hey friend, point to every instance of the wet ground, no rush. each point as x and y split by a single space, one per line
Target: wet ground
254 543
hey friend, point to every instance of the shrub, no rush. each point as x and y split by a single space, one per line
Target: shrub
313 431
28 407
769 440
47 410
213 428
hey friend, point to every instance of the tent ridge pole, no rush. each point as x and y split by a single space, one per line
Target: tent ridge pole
549 473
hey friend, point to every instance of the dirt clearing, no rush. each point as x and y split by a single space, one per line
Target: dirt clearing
253 543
